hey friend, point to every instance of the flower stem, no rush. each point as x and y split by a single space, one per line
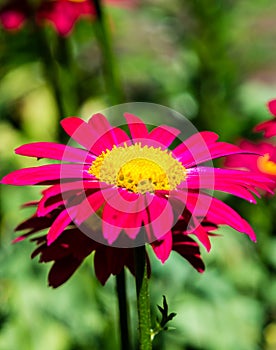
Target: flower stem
113 84
123 310
143 303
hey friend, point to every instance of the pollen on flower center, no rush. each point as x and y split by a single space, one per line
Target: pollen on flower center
265 165
138 168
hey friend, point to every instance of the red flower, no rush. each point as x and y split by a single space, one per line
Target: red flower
13 14
269 127
63 14
127 190
263 162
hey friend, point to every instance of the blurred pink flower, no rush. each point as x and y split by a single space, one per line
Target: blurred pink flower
269 127
62 14
13 14
263 162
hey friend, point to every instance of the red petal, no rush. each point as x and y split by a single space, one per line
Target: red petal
59 225
136 126
162 249
55 151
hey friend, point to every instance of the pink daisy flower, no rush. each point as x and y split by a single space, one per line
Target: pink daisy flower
124 189
269 127
263 163
63 14
13 14
70 249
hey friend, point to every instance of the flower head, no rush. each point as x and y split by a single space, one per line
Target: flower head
63 14
262 163
13 14
124 189
269 127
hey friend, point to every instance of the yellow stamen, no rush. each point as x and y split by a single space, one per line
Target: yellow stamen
139 169
265 165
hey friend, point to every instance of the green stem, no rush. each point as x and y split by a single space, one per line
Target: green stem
113 84
51 73
123 310
143 303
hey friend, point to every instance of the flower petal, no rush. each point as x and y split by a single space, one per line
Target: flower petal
163 135
159 219
91 204
59 225
53 150
223 179
269 128
221 214
46 173
272 107
137 127
162 248
108 136
188 249
195 143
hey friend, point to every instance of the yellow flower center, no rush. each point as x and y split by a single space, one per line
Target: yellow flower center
265 165
139 169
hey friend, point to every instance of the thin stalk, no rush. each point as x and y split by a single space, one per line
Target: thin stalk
113 84
123 310
143 302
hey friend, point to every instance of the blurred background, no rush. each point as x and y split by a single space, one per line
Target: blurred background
212 61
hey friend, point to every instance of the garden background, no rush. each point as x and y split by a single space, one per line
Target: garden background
212 61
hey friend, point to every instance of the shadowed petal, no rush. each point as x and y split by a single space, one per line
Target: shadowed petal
59 225
188 249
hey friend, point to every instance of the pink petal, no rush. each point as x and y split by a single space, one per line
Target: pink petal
194 143
136 126
45 206
60 193
272 107
221 214
59 225
111 232
91 204
79 130
163 248
269 128
223 179
108 136
201 234
45 173
163 135
115 220
160 217
55 151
